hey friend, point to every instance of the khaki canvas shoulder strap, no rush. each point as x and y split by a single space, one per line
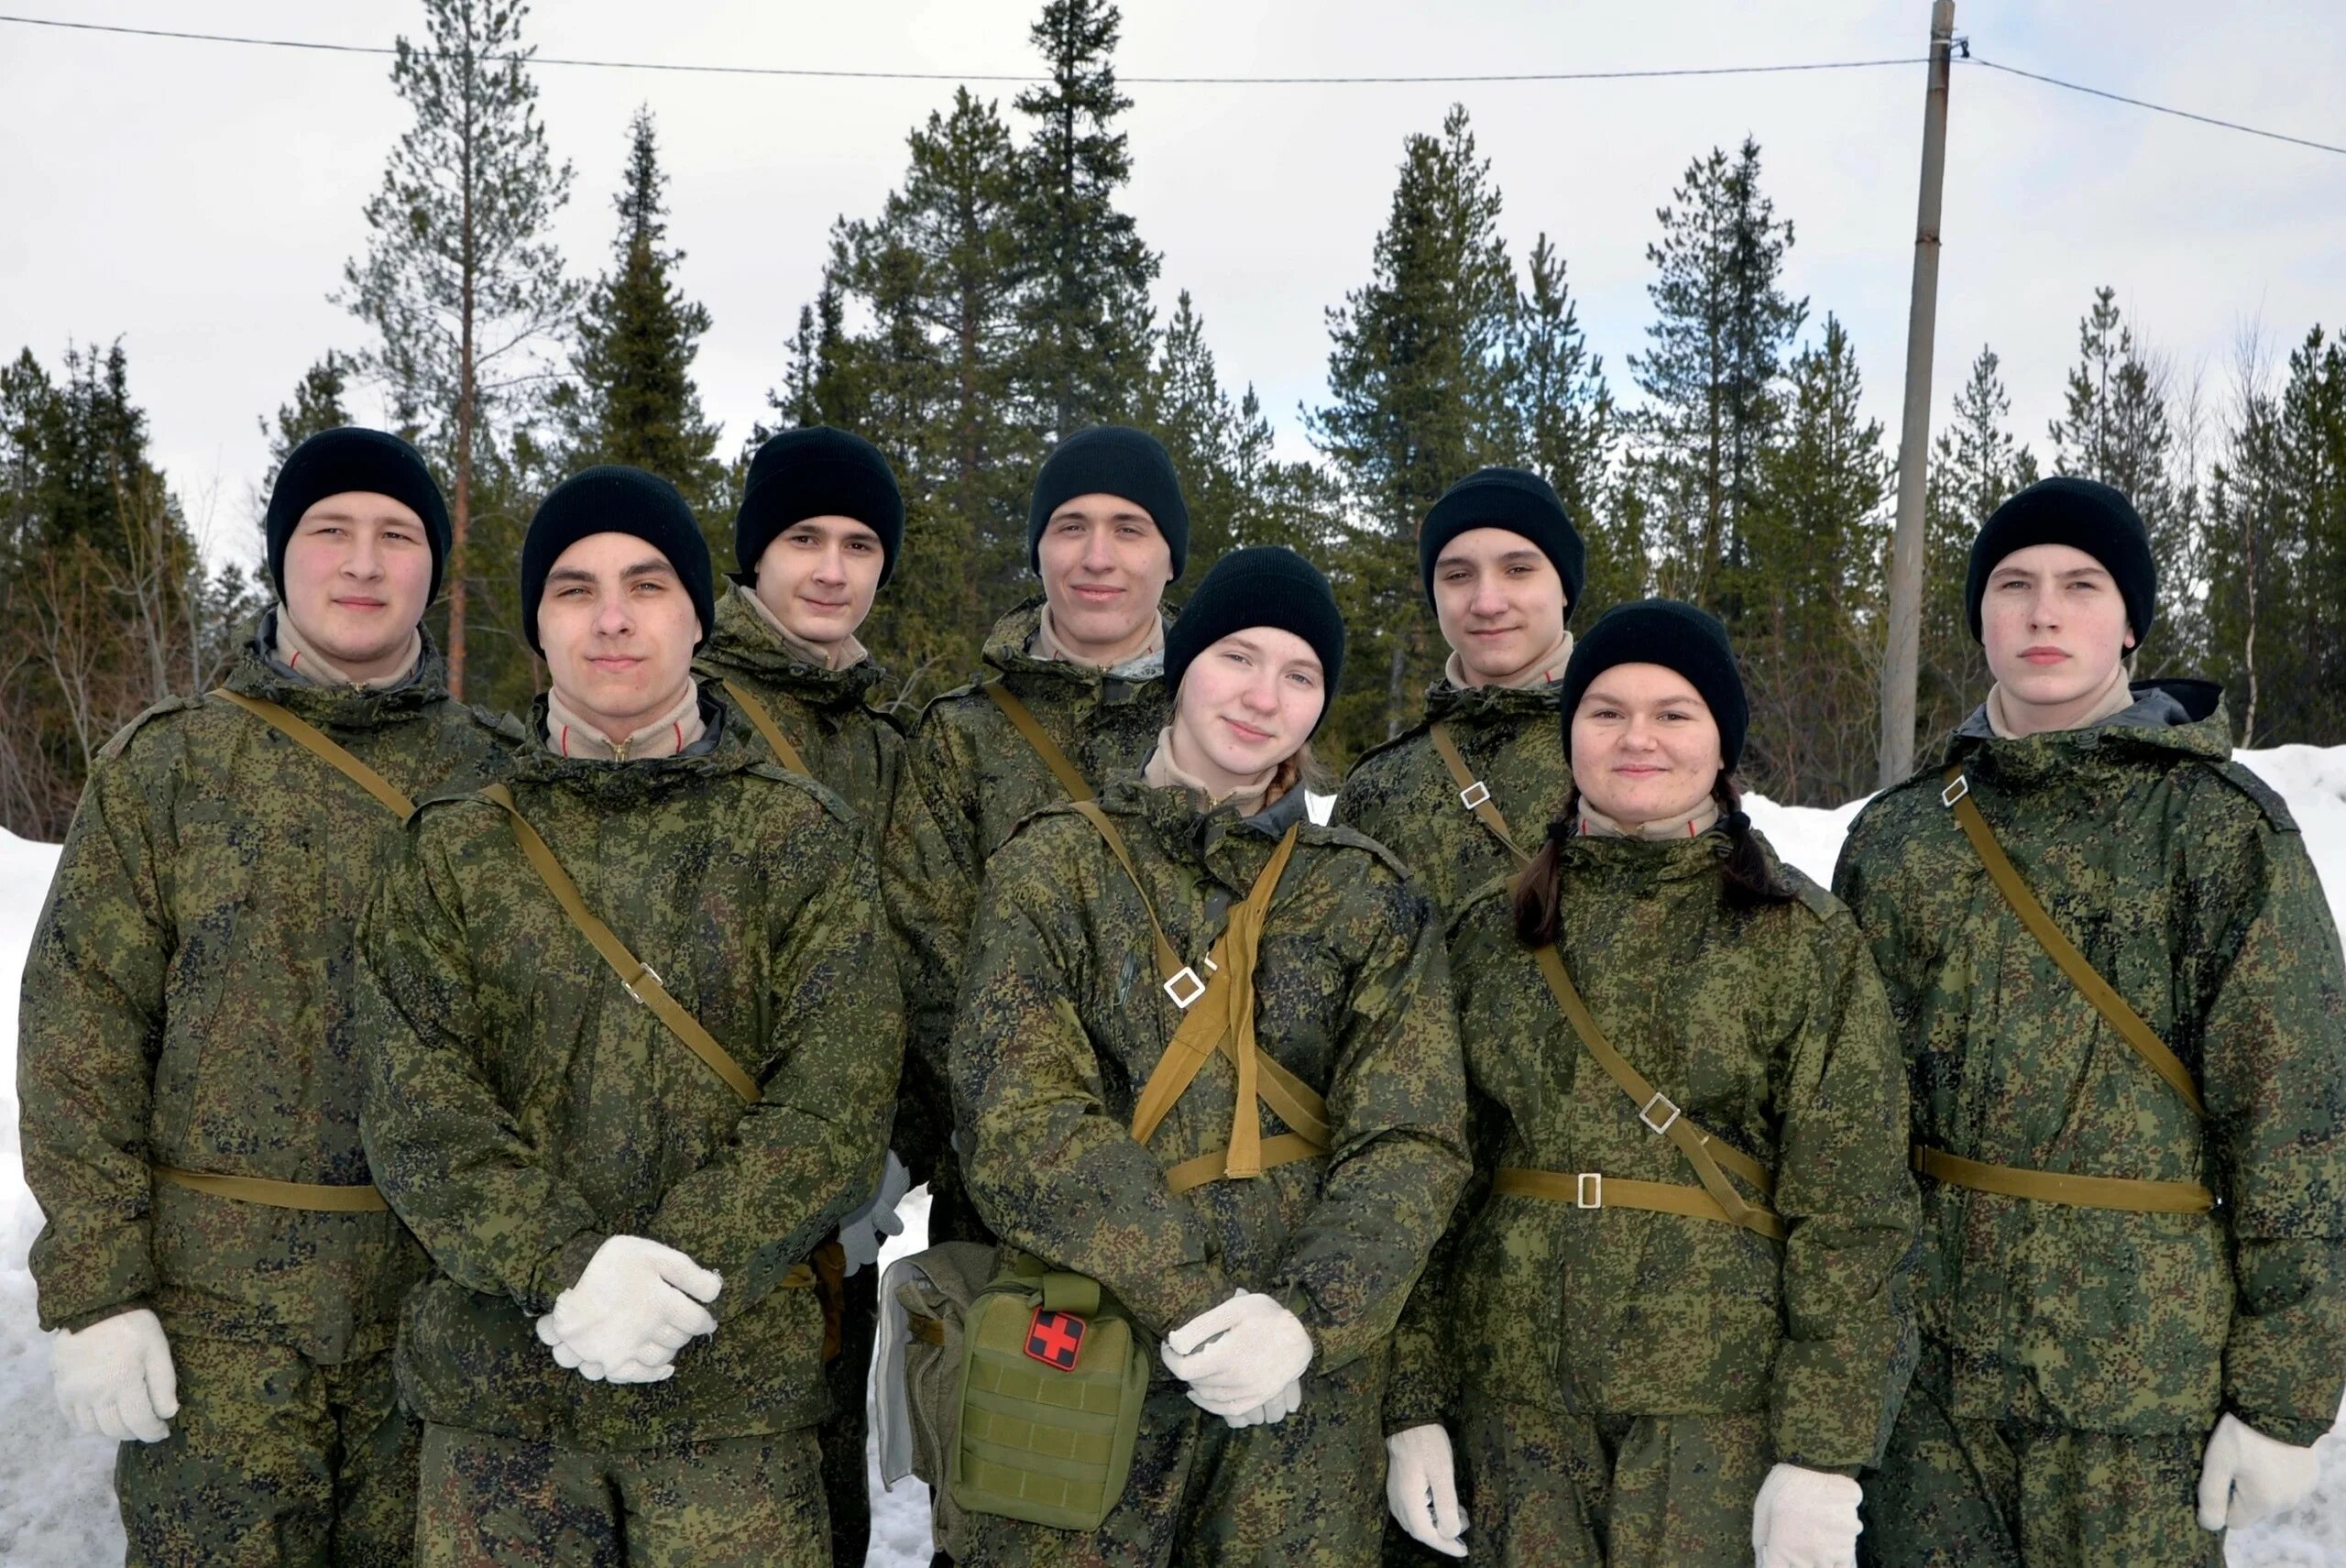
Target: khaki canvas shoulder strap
1030 729
1704 1153
1472 793
764 724
278 716
1956 797
635 974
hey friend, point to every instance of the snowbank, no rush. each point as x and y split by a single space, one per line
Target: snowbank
56 1509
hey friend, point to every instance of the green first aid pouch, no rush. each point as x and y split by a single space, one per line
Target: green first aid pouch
1052 1382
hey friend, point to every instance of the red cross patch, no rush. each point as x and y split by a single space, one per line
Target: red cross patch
1054 1338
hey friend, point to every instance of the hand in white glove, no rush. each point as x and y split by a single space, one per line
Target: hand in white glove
115 1378
1239 1355
634 1306
864 1232
1274 1411
1805 1519
2247 1476
1421 1488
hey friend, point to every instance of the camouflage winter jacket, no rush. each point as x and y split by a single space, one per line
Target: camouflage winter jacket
1064 1019
2182 880
850 747
1765 1022
968 778
186 1003
523 1106
1402 795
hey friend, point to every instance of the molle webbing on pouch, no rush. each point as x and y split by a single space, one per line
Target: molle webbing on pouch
1704 1153
1030 729
764 724
307 736
1472 793
1217 1015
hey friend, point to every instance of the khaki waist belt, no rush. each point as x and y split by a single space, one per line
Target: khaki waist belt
2054 1186
1593 1189
316 1196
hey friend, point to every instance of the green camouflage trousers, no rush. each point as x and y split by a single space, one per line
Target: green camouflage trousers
845 1464
1308 1493
1977 1494
1547 1490
514 1503
273 1460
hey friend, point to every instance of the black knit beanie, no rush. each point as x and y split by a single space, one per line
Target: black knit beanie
2085 515
353 458
1113 460
817 472
1520 502
614 498
1266 585
1677 636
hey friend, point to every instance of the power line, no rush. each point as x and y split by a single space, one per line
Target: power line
987 76
2158 108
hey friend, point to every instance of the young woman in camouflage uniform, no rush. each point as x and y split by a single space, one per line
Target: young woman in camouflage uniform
1273 1291
1652 1358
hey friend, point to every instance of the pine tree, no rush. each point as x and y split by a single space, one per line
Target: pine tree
1713 374
1976 465
1565 422
1083 286
1418 401
630 397
461 281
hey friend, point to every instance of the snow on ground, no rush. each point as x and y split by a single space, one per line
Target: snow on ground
56 1509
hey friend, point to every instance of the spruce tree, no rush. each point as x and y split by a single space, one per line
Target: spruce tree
1713 374
1563 422
461 281
317 406
1976 465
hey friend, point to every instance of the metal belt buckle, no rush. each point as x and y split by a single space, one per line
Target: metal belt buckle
1474 794
1955 791
1184 988
1646 1116
1591 1193
643 970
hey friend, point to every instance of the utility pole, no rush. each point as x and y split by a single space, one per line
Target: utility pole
1899 667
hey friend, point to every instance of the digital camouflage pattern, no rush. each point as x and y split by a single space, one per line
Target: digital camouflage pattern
1063 1020
1546 1489
968 780
273 1459
1402 795
188 1002
855 749
2010 1494
1764 1021
524 1107
502 1502
2183 881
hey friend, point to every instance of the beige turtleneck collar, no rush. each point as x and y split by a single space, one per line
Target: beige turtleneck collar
1046 645
2115 698
571 736
1688 825
846 652
299 654
1545 670
1161 772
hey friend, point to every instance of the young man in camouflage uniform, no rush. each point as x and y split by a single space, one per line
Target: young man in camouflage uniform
1107 533
1503 566
227 1278
1267 1282
636 1042
817 537
2134 1213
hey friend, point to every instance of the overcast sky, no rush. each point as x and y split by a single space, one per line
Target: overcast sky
199 199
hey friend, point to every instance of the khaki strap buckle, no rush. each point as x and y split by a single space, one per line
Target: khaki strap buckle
1474 794
1955 791
643 972
1185 987
1592 1190
1645 1114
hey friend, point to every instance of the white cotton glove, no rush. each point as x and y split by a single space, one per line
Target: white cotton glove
1240 1357
865 1232
2247 1476
115 1378
1274 1411
634 1306
1421 1488
1805 1519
